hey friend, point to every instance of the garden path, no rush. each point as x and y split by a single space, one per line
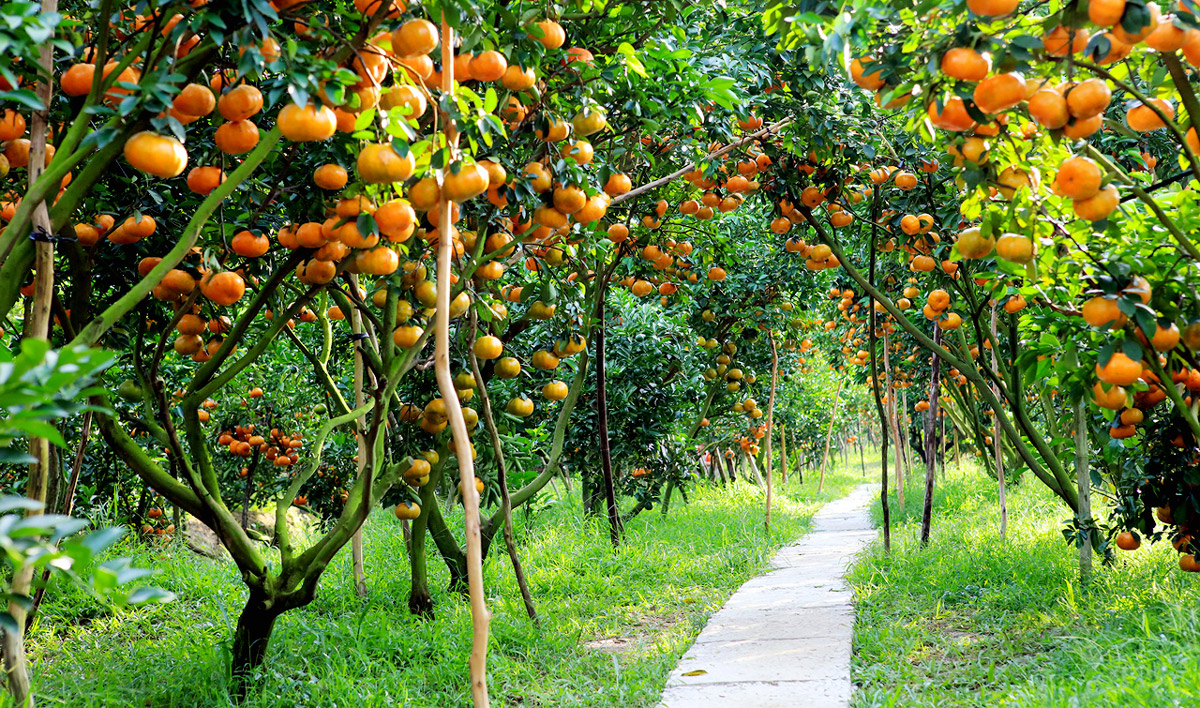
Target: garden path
783 639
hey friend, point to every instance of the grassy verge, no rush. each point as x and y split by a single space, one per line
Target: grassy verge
976 621
614 624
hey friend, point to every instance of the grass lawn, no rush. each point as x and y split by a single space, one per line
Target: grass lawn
976 621
613 624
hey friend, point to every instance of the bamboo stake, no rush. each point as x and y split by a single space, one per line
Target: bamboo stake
783 458
458 426
829 434
894 422
770 428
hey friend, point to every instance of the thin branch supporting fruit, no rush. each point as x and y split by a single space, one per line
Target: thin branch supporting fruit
633 193
893 421
458 427
485 405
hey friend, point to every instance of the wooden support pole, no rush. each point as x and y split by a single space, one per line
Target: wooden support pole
769 463
458 426
829 434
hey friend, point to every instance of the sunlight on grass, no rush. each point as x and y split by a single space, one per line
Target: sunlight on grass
614 624
976 621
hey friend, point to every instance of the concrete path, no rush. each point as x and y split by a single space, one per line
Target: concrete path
783 639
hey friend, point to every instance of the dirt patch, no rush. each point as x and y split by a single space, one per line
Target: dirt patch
259 524
644 632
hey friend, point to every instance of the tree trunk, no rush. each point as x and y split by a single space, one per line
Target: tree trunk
356 541
997 438
67 506
905 421
872 337
251 639
666 499
610 495
862 463
1084 478
930 442
749 460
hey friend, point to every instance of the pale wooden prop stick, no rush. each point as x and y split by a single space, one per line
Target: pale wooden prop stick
16 665
458 427
771 428
829 434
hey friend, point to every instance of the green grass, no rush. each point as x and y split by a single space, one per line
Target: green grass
976 621
655 593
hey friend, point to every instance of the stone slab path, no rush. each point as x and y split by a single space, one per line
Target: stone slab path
783 639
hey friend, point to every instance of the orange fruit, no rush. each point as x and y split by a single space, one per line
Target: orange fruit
330 176
1000 92
965 64
952 115
1088 98
872 81
1112 399
1166 37
1083 127
1059 39
1143 119
1078 178
1098 206
240 103
1103 312
1049 109
1127 542
1120 370
992 8
158 155
309 123
236 137
1105 13
1141 33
